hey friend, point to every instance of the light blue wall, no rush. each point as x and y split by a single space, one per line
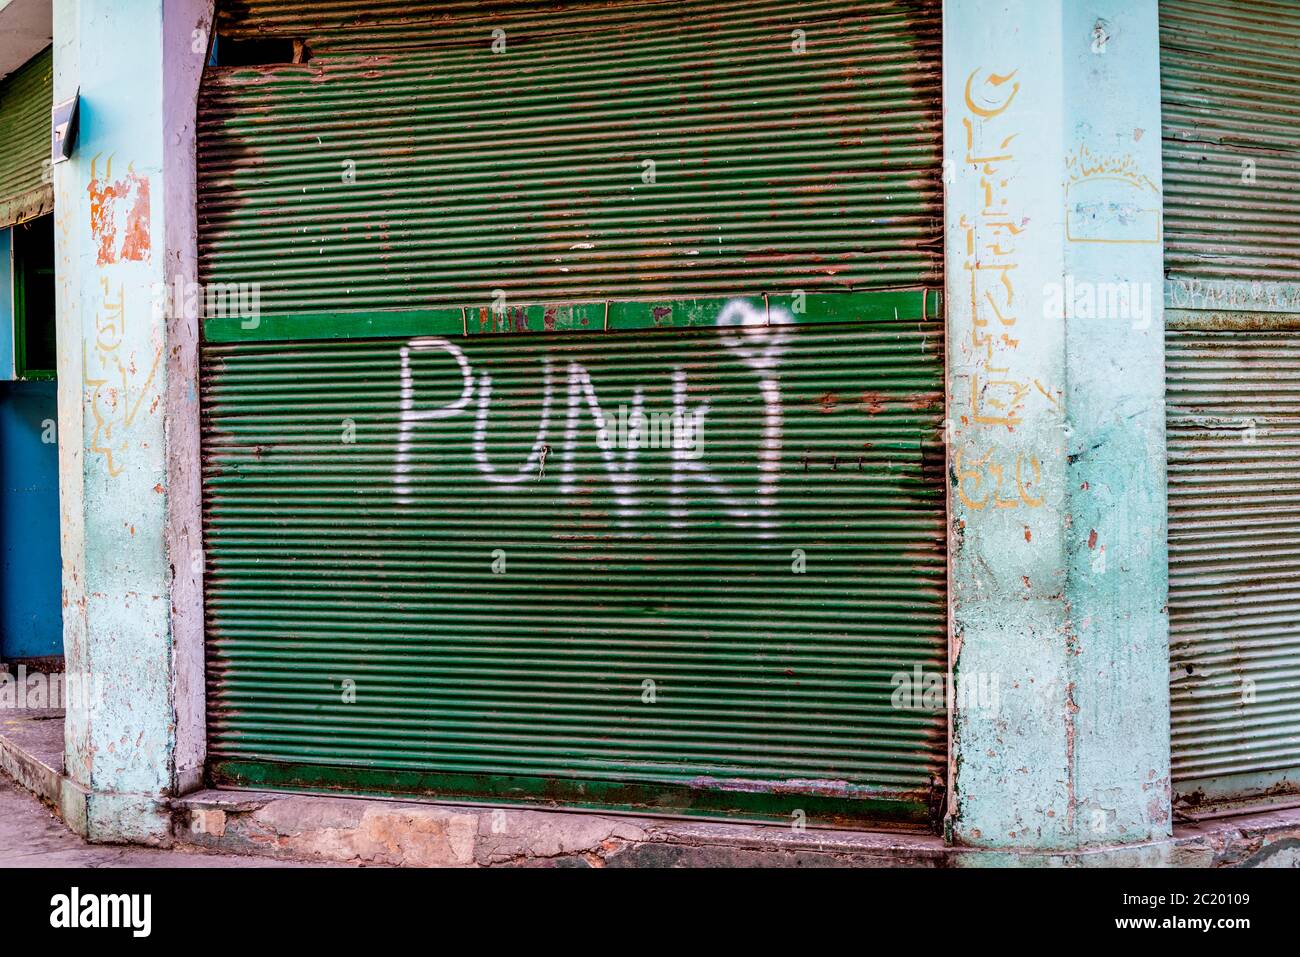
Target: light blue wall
112 468
1052 147
1115 400
137 64
31 619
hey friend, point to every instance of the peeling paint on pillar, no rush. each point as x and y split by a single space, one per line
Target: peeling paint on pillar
1055 424
110 242
186 27
1115 398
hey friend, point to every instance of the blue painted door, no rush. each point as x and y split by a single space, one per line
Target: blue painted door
31 615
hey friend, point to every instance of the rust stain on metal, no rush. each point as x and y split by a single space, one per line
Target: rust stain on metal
874 402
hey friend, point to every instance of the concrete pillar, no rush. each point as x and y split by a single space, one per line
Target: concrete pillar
1056 435
124 230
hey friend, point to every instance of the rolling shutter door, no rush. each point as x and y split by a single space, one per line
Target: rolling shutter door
26 96
1231 81
442 556
1234 554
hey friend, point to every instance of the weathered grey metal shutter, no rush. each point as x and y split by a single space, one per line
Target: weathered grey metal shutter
438 559
1231 80
25 99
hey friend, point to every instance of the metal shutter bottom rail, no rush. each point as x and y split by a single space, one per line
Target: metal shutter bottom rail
648 642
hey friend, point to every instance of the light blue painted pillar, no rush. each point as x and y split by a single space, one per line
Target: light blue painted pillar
124 229
1056 431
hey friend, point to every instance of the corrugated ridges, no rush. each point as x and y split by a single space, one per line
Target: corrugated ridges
522 171
1234 551
1230 75
318 571
26 96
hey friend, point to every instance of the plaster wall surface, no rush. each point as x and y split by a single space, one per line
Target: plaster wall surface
114 222
1056 429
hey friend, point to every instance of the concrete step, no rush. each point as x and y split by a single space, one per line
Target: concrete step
31 752
423 834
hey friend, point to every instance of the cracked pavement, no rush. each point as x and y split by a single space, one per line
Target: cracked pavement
31 836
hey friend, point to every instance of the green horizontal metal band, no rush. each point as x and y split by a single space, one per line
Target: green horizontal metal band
334 325
1230 319
481 319
913 810
1229 295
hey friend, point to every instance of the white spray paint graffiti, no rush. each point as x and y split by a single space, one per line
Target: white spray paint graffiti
684 467
760 346
754 337
410 415
623 477
533 464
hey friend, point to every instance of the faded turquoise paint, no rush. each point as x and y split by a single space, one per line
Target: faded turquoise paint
1057 439
111 461
110 235
1115 401
1009 780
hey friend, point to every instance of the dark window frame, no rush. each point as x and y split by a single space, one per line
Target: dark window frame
27 271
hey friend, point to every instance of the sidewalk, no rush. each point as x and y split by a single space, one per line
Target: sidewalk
240 828
30 836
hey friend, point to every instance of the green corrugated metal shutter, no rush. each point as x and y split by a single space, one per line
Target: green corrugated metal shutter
25 100
524 171
1231 81
1230 75
408 492
1234 560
